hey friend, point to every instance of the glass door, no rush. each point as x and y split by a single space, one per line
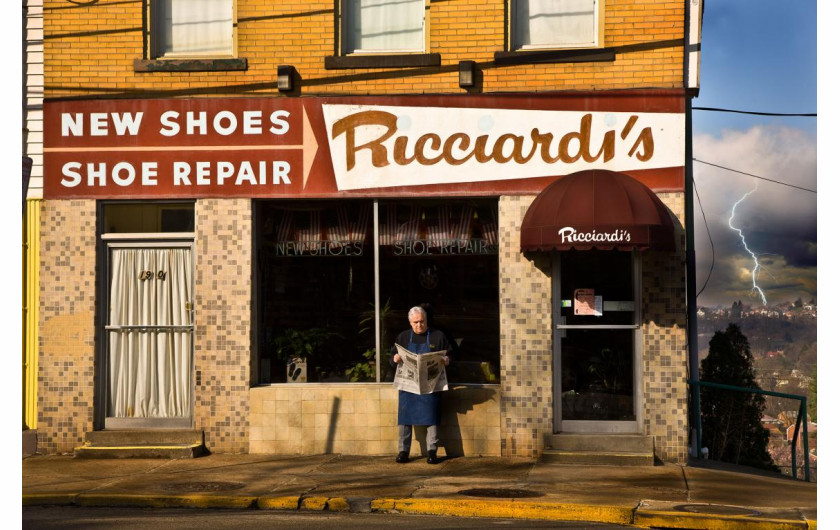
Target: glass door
596 333
149 325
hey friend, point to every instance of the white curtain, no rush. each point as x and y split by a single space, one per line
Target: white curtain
385 25
558 23
150 368
195 27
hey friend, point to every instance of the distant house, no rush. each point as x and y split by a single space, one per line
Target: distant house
812 432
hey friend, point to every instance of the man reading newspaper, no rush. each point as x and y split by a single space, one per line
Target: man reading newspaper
420 355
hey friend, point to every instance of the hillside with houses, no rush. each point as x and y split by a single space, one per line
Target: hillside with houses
783 341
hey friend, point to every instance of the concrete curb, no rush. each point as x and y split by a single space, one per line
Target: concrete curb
664 519
444 507
511 509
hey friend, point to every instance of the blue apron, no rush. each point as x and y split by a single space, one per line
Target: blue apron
422 409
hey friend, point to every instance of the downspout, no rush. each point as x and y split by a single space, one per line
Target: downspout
691 264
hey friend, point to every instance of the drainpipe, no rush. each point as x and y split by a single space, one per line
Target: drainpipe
691 264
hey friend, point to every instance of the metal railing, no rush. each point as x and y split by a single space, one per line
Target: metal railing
801 417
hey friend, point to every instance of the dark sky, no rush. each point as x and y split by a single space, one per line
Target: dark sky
757 56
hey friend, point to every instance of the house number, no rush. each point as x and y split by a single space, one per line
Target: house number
149 275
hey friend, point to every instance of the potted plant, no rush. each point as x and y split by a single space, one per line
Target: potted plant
365 369
295 347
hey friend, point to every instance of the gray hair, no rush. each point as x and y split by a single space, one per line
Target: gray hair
417 309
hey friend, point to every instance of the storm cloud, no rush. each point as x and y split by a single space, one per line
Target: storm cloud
779 223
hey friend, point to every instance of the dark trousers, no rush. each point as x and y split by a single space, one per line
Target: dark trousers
431 438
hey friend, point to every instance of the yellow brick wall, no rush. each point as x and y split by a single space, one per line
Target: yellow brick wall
90 50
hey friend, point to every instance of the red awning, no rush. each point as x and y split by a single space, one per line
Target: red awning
597 209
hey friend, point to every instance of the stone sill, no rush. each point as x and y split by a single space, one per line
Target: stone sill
190 65
554 56
402 60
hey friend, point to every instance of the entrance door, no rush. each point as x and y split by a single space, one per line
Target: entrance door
150 336
596 335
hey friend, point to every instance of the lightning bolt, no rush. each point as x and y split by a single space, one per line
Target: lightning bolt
744 242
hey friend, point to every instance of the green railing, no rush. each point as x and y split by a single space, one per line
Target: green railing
801 418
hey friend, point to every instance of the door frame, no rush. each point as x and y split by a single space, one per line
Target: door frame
101 385
594 426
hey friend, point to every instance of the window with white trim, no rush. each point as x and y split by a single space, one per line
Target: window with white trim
189 28
554 24
383 26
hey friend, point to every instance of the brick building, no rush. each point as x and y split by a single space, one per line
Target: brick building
229 188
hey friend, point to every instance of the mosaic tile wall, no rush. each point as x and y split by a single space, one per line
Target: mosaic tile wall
525 336
223 322
361 419
665 352
67 324
526 346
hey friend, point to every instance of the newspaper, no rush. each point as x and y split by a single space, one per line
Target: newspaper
421 374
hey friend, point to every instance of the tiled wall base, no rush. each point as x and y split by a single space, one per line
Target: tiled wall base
292 419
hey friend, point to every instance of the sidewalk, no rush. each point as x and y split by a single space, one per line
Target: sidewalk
667 496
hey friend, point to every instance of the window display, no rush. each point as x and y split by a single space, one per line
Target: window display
316 285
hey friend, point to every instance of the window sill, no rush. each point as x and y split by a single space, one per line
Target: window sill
402 60
190 65
555 56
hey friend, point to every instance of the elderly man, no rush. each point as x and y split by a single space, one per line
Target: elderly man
421 409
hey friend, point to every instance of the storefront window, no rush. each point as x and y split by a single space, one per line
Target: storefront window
316 279
315 288
444 253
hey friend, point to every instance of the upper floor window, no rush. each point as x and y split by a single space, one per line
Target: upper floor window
192 28
382 26
554 23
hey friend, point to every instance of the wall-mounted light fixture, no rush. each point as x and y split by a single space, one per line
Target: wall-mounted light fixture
285 78
466 74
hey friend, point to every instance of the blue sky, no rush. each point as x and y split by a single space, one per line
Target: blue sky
757 56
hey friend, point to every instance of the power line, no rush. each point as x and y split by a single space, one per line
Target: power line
711 242
714 109
754 176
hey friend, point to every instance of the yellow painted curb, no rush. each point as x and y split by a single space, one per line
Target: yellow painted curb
38 499
510 509
382 505
278 503
314 503
338 504
713 522
812 524
166 501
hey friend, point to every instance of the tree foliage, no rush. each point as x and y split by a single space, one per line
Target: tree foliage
731 419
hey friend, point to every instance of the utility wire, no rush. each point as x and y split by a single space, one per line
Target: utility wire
755 176
814 115
712 243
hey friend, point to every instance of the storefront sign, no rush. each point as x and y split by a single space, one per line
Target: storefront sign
380 147
352 146
176 148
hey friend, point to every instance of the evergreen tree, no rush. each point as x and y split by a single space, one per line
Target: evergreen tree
731 419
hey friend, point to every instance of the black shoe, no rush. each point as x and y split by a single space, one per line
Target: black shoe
432 457
402 458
